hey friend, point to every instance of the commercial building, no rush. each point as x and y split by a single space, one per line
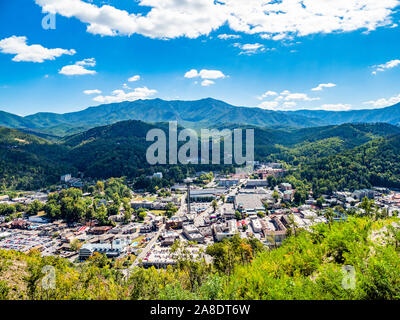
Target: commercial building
228 182
192 233
248 203
114 249
206 195
255 183
224 230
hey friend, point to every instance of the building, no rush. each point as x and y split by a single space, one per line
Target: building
192 233
285 186
100 230
158 175
361 194
274 231
65 178
145 204
113 249
206 195
255 183
228 182
256 225
224 230
288 195
248 203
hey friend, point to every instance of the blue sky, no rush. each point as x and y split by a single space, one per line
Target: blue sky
273 61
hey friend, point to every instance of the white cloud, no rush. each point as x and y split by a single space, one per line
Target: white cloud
267 94
134 78
193 18
299 96
250 48
270 105
383 102
286 100
388 65
211 74
78 69
206 83
191 74
335 107
321 86
205 74
30 53
121 95
95 91
228 36
91 62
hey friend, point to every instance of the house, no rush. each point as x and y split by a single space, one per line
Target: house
285 186
100 230
288 195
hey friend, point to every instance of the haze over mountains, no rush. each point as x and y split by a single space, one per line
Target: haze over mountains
201 113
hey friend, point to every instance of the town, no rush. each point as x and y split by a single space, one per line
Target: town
238 204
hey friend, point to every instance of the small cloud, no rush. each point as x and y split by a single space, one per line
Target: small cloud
250 48
228 36
321 86
191 74
206 83
205 74
121 95
267 94
134 78
89 92
388 65
336 107
78 69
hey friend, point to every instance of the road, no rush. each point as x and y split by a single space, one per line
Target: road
148 247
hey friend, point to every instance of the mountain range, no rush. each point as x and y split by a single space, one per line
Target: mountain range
195 114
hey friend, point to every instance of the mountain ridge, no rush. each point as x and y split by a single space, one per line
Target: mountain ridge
194 113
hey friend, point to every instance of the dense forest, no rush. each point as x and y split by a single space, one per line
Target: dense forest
356 259
348 156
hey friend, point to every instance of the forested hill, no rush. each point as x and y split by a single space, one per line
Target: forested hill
197 114
376 163
329 157
29 162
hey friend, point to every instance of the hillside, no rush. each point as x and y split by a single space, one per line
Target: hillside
308 266
29 162
196 114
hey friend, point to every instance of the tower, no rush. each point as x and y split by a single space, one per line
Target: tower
188 181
